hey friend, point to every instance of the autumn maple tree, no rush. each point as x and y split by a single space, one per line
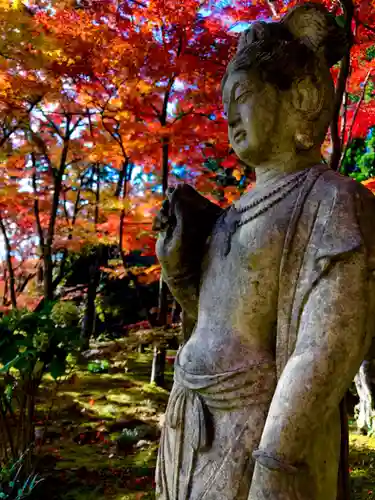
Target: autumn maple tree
106 103
103 104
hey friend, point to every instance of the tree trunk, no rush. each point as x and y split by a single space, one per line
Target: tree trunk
48 275
348 9
176 312
158 361
153 367
158 366
88 323
8 252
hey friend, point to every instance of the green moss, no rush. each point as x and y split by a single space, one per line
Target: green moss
84 494
97 457
91 401
96 471
362 464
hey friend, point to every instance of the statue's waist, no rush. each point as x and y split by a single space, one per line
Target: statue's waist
231 389
228 391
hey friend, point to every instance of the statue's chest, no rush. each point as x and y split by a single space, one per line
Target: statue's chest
247 256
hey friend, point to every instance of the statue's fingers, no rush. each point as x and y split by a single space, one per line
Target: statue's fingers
156 224
162 219
165 208
169 192
177 200
185 205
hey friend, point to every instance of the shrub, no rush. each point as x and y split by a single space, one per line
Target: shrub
98 366
65 314
12 486
32 344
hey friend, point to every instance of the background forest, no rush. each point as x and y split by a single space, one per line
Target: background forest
103 105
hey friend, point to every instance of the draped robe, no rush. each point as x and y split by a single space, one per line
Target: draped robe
328 238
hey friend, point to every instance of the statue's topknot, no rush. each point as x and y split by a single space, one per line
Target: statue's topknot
317 28
283 49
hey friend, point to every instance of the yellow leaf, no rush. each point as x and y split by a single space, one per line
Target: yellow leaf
6 4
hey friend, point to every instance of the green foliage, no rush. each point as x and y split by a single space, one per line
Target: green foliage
33 343
224 177
100 311
98 366
354 97
12 486
65 314
341 21
359 161
370 53
131 436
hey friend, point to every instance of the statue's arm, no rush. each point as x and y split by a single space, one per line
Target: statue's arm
334 335
185 289
182 277
181 246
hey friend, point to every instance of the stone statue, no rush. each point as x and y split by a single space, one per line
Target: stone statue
277 291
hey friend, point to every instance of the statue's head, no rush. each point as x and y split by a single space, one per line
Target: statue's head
278 92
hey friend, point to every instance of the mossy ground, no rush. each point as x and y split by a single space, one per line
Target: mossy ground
87 404
80 460
362 466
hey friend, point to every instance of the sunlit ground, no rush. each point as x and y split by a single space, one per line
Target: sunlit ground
83 460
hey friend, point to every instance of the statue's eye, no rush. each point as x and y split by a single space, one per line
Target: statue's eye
242 98
242 93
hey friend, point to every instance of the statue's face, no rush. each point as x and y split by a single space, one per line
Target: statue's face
251 109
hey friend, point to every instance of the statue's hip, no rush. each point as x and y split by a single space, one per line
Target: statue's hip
212 423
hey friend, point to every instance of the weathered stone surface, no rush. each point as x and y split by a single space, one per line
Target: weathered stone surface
277 291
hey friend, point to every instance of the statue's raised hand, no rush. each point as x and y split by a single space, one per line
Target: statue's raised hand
184 223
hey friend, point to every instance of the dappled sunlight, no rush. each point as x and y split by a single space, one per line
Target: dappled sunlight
362 467
85 441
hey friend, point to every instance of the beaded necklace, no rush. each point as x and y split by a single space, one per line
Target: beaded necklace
233 216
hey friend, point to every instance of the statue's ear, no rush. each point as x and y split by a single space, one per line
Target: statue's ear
317 28
308 96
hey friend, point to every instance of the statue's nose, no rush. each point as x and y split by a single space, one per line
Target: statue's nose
234 120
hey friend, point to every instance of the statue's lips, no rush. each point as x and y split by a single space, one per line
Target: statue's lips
240 135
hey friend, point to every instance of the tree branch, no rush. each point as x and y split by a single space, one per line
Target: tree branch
348 8
36 203
344 117
272 8
8 251
58 181
53 125
365 83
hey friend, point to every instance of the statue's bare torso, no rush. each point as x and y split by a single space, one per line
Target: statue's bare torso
235 332
239 293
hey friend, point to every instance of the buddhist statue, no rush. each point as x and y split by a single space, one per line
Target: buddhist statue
277 290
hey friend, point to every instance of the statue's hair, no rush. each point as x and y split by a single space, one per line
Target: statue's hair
282 51
306 42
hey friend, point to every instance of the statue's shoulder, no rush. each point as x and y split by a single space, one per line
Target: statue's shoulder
351 208
336 186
